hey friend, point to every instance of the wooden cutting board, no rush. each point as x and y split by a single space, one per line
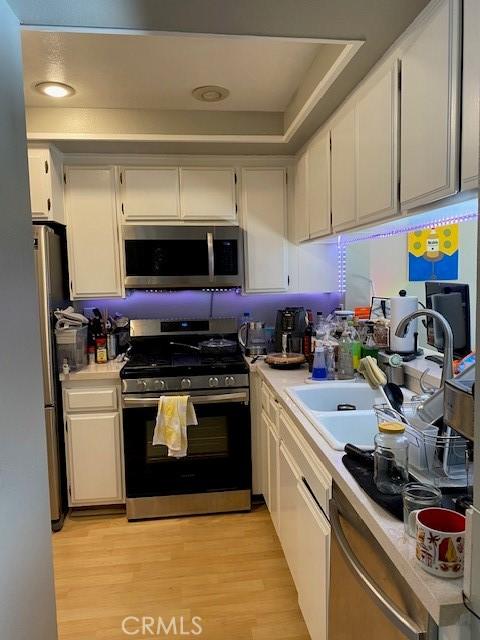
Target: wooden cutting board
285 360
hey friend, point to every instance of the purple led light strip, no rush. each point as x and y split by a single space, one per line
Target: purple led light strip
439 222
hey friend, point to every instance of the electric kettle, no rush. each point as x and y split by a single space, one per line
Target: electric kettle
251 336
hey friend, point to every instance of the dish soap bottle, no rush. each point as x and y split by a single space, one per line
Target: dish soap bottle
370 348
319 371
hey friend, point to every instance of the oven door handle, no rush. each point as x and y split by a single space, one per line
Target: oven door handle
211 257
135 401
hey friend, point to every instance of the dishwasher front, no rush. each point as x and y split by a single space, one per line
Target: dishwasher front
368 598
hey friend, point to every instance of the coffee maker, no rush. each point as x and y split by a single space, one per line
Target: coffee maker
291 320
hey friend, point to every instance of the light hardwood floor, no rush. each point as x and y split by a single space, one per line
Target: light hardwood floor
227 569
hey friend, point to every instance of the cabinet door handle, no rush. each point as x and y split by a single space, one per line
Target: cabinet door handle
49 204
46 166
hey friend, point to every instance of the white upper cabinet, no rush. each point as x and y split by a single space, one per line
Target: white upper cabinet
376 145
430 101
300 213
150 193
344 214
318 181
46 184
208 194
92 231
470 94
265 223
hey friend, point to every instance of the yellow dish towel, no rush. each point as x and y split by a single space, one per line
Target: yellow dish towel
175 413
372 373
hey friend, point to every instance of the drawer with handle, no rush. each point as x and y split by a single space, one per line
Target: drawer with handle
103 399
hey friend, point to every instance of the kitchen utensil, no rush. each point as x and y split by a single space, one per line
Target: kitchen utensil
360 455
394 395
418 496
212 347
440 535
252 338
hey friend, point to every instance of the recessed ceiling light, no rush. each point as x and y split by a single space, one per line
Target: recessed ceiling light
210 93
55 89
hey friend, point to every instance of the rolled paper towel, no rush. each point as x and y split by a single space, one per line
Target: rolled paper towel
400 307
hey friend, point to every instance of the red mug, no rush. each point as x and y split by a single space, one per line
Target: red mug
440 535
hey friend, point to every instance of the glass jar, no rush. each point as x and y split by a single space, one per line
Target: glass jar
418 496
391 457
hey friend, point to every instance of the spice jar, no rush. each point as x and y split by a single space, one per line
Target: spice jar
101 350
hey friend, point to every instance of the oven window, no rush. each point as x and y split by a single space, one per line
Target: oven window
208 439
218 455
166 257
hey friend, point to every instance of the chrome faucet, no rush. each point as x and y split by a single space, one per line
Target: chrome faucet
447 371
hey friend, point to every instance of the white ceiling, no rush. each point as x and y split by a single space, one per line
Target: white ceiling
159 71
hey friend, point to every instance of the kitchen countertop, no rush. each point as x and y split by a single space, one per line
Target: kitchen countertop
108 371
441 597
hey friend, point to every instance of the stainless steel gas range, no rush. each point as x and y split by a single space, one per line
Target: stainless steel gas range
200 358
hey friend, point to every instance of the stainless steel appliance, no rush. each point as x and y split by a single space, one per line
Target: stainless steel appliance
179 257
251 336
51 295
458 404
215 475
368 597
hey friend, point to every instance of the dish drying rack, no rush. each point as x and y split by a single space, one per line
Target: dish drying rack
441 457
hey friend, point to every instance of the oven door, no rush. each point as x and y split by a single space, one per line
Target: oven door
218 456
182 257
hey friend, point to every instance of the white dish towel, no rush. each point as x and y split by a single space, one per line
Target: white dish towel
174 414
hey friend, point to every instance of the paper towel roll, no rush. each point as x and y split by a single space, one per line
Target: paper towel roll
400 307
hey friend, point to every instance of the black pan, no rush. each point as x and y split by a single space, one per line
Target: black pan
214 346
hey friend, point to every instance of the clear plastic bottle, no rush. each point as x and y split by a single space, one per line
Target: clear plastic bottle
319 371
391 458
345 369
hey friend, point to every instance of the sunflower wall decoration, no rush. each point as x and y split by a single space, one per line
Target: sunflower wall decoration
433 253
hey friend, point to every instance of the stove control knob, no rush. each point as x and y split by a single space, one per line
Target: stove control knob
213 382
142 384
159 385
186 383
229 381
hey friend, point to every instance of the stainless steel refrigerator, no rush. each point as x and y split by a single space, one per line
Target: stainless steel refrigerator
48 250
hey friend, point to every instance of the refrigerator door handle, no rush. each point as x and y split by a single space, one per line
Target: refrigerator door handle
402 622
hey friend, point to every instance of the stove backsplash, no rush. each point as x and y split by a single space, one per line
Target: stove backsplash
201 304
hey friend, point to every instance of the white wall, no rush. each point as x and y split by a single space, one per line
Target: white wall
380 267
27 604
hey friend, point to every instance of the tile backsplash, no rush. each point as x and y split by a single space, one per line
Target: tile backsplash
201 304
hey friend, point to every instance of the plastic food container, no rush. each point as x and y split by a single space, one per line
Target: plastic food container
72 347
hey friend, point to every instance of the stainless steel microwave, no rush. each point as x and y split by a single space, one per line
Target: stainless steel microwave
182 257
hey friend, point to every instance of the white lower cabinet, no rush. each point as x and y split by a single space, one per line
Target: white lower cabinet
94 451
299 488
313 568
289 477
273 452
